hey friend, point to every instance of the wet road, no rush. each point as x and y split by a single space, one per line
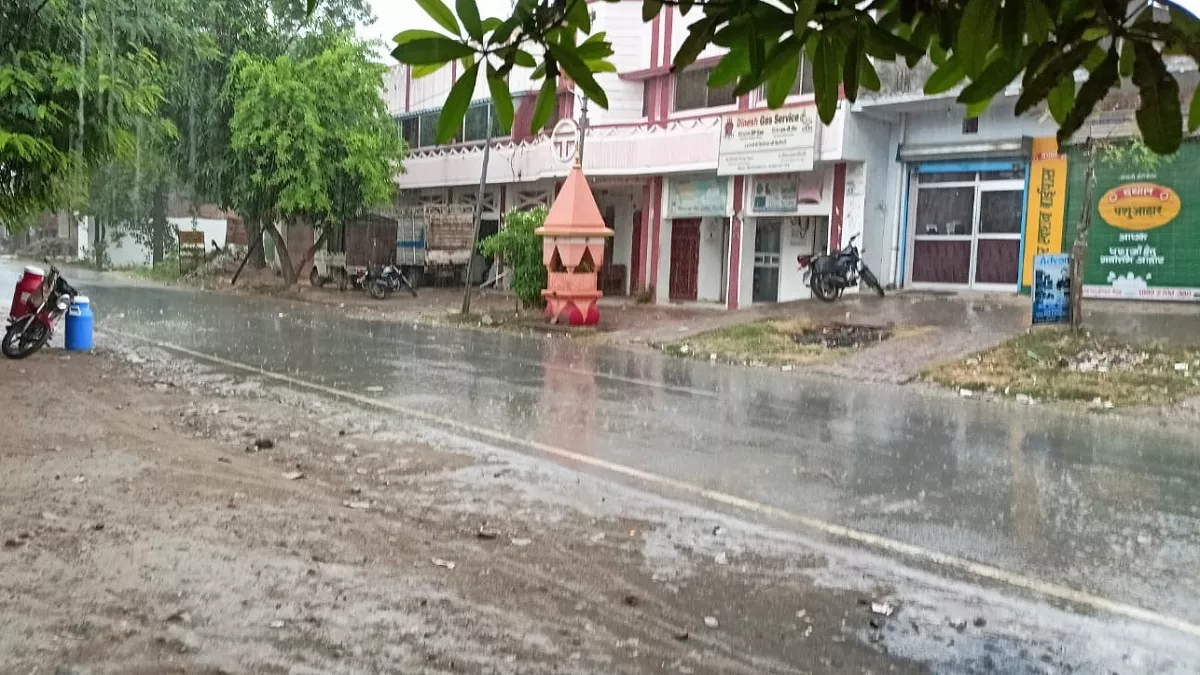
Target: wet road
1109 507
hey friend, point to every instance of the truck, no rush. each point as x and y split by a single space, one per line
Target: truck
427 242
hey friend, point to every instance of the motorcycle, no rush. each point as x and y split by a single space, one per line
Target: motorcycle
388 280
829 275
30 331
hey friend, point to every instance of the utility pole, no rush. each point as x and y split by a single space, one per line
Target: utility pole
583 127
477 217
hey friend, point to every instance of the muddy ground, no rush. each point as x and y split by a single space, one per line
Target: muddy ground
144 533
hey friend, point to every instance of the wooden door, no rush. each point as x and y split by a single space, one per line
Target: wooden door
685 259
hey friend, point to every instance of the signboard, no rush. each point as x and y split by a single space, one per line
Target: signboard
784 194
564 141
1051 288
1047 204
697 197
1144 242
774 141
191 249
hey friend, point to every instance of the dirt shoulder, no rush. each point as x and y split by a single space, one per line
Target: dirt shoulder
142 537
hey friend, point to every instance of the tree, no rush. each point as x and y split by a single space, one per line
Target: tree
311 142
57 115
984 43
522 251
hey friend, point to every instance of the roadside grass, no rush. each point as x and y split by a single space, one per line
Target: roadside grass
166 271
1060 365
779 343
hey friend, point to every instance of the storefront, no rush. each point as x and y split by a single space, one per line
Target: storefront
965 223
786 216
694 239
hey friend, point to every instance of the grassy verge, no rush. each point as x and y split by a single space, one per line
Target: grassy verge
165 272
775 343
1083 367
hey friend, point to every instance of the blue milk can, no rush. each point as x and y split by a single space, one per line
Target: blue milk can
79 325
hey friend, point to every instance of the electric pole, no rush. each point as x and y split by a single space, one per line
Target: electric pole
477 217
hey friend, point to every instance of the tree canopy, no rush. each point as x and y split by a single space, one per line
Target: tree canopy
984 44
311 139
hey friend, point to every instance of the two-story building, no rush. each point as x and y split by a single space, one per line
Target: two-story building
712 197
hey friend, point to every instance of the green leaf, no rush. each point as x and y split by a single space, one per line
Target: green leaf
547 101
490 24
882 43
827 75
976 35
578 71
451 120
501 98
1194 113
439 12
1038 24
998 75
1099 82
1126 64
650 9
1062 98
699 36
1159 117
429 51
850 71
976 109
804 13
468 14
425 71
524 59
868 77
1061 68
782 77
580 15
417 34
1012 27
945 78
733 65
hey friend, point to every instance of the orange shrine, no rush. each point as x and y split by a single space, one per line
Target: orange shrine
573 238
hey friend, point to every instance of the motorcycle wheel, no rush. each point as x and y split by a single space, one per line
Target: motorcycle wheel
869 279
377 289
824 288
24 338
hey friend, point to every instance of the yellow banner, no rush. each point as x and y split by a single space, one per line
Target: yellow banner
1047 206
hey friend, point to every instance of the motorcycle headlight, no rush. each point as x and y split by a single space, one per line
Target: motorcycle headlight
63 303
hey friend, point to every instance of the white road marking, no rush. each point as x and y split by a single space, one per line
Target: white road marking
951 562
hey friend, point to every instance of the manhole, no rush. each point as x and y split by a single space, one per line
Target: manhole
842 336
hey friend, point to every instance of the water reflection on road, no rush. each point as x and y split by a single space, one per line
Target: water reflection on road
1107 506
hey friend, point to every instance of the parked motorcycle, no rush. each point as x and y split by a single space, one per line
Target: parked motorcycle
32 324
829 275
388 280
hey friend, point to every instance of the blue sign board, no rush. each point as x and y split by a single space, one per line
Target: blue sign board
1051 288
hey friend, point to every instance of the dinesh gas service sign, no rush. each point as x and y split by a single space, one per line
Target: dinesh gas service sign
768 141
1145 238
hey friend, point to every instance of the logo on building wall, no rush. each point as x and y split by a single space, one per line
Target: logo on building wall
1139 206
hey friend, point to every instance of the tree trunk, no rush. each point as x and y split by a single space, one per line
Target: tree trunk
312 251
159 229
1080 246
281 250
255 232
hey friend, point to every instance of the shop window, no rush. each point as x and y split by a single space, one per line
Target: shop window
693 93
428 132
1000 211
970 125
647 95
410 130
945 212
1015 173
475 123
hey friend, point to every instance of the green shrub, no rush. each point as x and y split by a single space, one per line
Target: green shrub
522 253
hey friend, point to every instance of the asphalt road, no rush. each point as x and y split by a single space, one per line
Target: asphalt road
1040 498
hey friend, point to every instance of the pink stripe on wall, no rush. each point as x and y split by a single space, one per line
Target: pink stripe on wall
733 292
408 89
664 82
655 207
839 201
